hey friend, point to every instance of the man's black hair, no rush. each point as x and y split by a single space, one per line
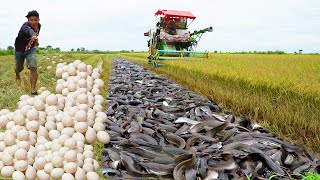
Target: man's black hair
32 13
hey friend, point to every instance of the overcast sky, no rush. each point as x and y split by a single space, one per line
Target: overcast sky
239 25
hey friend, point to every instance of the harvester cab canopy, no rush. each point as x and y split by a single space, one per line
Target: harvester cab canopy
179 18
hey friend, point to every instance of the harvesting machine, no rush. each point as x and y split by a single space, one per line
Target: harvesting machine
171 39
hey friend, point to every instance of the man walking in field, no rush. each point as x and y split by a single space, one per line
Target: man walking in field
25 44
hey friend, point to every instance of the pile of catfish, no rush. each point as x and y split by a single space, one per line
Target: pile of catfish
159 129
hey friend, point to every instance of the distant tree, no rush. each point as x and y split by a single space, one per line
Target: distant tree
82 49
215 51
49 47
300 51
72 49
57 49
10 48
78 49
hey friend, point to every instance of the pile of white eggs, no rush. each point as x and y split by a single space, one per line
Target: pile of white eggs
50 135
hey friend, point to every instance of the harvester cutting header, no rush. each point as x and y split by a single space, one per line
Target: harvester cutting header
171 39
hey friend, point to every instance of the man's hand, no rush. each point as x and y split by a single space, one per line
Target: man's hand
33 39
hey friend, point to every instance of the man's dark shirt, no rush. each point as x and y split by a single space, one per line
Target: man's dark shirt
24 36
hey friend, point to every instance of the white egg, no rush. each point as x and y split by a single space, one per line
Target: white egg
7 171
70 156
65 92
80 156
3 121
70 167
65 75
88 167
88 160
9 140
57 173
96 165
24 97
40 163
59 72
62 139
12 149
38 104
81 127
41 174
67 121
82 99
103 137
79 137
91 135
68 131
98 97
52 100
80 144
72 71
95 91
90 122
60 126
33 126
59 88
21 165
48 157
54 134
57 161
93 176
4 112
7 159
23 135
15 129
10 125
33 114
100 120
48 168
31 173
82 67
99 82
95 75
88 147
81 116
71 143
2 146
67 176
21 154
83 75
24 145
56 147
25 109
82 83
99 126
72 87
18 175
72 112
88 154
97 108
80 173
43 132
63 151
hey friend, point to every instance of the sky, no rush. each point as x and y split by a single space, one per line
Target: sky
238 25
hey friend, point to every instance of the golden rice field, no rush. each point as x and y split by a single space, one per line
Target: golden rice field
282 92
